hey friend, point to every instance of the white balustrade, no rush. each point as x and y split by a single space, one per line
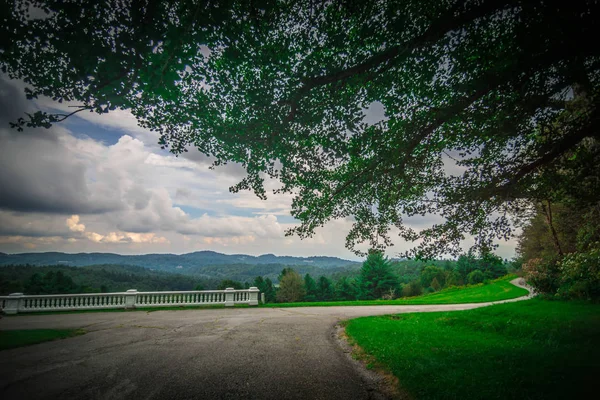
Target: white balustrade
20 303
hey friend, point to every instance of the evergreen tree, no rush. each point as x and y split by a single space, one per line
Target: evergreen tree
310 288
346 289
325 290
376 277
269 291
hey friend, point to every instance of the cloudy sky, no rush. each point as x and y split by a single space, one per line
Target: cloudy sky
101 183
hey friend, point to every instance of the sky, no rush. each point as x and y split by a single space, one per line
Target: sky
100 183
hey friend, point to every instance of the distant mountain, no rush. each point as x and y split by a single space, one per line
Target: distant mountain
170 262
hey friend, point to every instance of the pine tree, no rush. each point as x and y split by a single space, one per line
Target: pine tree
310 287
376 277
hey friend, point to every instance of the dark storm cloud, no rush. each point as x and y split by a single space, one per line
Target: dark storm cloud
38 173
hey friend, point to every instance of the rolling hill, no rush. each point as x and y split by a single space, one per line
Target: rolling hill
170 262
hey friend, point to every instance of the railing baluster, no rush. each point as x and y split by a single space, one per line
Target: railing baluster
118 300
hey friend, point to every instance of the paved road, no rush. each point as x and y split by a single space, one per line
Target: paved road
257 353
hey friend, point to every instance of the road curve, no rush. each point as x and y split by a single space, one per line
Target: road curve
256 353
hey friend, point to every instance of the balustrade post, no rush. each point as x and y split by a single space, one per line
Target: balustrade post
130 298
229 292
253 296
13 303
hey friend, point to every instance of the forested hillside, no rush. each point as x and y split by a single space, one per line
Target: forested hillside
31 279
115 278
168 262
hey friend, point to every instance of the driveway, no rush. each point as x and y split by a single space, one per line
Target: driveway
257 353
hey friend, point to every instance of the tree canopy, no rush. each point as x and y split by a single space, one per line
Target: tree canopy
489 105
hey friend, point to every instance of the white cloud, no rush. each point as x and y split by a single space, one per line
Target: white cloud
74 225
64 191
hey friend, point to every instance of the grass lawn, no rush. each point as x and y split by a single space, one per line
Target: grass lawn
19 338
500 289
535 349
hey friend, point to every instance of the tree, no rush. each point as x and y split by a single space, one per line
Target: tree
376 277
310 288
325 289
429 273
492 266
465 264
435 285
269 291
475 277
226 283
53 282
454 279
539 240
411 289
291 287
265 286
346 289
284 272
281 88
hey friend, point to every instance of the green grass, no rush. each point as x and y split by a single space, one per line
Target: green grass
500 289
19 338
535 349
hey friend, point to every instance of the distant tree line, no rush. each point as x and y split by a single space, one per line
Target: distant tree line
378 278
58 279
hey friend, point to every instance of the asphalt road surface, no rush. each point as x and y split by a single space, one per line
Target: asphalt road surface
255 353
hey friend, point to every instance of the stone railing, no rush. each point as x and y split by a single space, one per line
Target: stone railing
20 303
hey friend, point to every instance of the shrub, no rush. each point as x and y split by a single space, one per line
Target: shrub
475 277
435 284
391 295
412 289
454 279
580 275
543 275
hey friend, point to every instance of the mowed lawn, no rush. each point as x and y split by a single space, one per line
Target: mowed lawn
500 289
535 349
19 338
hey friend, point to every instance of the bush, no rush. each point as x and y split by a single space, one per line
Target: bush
475 277
454 279
412 289
580 275
543 275
391 295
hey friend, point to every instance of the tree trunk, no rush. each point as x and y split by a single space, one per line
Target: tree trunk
548 214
